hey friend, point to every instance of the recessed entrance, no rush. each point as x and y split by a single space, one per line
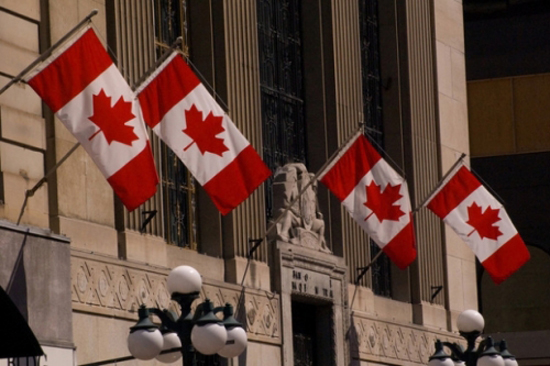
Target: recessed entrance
312 329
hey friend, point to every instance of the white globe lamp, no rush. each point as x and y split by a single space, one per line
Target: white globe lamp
470 321
494 360
209 338
184 280
145 344
145 340
171 340
235 344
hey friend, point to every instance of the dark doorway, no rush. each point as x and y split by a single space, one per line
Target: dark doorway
312 334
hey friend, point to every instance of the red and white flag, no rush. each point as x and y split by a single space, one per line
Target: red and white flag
185 116
84 88
376 197
481 221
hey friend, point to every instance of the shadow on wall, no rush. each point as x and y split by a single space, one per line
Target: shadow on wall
520 303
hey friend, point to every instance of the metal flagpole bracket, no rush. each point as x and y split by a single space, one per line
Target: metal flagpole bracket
32 191
365 269
435 291
49 51
256 243
149 215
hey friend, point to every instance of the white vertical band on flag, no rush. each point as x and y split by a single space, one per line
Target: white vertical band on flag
75 116
482 247
381 231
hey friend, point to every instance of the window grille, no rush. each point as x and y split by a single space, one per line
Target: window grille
281 84
372 111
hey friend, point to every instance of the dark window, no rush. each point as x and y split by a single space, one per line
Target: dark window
178 186
372 110
170 22
312 330
281 82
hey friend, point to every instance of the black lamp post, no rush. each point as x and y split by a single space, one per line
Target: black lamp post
470 324
202 332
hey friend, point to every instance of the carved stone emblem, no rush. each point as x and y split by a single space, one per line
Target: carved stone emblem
302 223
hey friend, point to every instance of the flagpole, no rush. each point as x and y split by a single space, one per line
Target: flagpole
440 183
32 191
49 51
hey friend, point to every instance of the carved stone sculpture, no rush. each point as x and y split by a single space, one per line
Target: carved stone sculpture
302 223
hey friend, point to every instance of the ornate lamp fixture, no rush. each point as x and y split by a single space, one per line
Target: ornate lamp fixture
470 324
202 332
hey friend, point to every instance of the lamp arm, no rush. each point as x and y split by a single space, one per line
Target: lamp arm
165 317
456 350
219 309
481 347
199 312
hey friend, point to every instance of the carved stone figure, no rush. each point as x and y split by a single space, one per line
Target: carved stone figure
302 223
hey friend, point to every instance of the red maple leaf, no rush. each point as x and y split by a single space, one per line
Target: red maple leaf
111 119
484 222
203 132
382 203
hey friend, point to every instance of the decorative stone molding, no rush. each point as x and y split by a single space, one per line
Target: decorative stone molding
110 287
374 340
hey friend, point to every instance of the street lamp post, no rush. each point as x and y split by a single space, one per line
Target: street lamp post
470 325
202 332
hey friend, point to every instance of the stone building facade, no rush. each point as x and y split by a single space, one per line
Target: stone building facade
296 77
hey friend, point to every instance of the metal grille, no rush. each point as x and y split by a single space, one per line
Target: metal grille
303 350
372 110
170 23
178 186
281 84
179 201
370 59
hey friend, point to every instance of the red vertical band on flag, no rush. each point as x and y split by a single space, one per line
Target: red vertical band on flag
174 81
401 249
61 81
134 183
461 185
237 181
507 259
354 164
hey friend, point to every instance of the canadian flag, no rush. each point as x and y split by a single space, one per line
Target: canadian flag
186 117
376 197
83 87
481 221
